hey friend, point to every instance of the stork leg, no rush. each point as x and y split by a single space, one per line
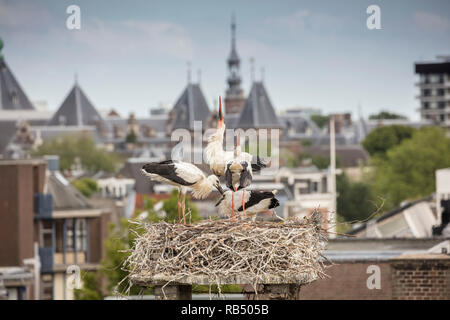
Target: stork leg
232 199
243 203
232 206
179 206
184 207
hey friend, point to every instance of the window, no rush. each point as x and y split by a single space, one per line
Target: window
14 97
426 105
47 234
59 235
440 92
426 92
70 233
81 234
47 287
441 105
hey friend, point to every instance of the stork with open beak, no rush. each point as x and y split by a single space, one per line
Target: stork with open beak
255 202
184 176
216 156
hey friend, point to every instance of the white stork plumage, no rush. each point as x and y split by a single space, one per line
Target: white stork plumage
255 202
236 165
216 156
185 176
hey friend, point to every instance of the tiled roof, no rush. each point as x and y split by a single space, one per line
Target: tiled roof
65 195
190 107
76 110
258 111
12 97
7 131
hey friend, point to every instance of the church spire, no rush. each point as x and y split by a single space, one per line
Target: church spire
234 98
233 32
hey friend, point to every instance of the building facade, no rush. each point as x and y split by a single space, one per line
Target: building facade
39 207
434 86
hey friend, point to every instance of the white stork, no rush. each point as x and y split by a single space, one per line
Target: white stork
216 156
239 170
185 176
255 202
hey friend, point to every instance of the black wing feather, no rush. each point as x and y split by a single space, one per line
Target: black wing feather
256 197
229 177
260 163
166 169
220 200
245 178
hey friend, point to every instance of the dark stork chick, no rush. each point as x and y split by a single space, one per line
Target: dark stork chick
239 171
255 202
185 176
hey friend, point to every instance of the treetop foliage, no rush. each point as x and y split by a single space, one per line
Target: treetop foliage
381 139
82 148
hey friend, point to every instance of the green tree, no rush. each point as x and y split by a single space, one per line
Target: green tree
386 115
171 208
320 120
380 140
355 200
321 162
408 170
131 137
91 287
86 186
69 148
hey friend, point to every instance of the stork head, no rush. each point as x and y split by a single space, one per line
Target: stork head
214 180
220 121
236 166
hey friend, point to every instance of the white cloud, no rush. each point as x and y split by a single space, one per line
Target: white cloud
431 21
304 20
131 36
13 14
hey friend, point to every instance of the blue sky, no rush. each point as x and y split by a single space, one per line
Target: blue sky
132 55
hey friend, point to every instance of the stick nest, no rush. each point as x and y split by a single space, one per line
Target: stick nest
224 252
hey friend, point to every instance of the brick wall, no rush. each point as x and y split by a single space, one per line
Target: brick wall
348 281
425 277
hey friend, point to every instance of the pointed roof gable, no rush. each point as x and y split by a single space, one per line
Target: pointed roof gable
190 107
12 97
258 111
76 110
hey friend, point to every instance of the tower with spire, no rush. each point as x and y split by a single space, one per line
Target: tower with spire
234 97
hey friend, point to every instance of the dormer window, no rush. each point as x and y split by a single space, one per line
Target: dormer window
14 97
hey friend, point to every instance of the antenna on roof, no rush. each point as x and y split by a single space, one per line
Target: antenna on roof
262 74
199 75
1 47
252 69
189 72
359 110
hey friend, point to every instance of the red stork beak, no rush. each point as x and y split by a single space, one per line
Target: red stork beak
220 122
